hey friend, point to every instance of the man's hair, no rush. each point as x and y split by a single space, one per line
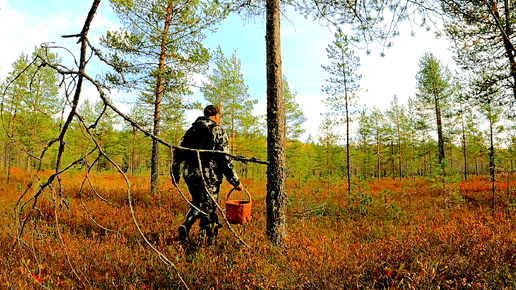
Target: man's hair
211 110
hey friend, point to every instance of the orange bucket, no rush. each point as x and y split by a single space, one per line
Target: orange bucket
238 211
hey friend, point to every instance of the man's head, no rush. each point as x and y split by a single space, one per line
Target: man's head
213 112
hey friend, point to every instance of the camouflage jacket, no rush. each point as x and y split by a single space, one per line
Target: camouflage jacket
204 134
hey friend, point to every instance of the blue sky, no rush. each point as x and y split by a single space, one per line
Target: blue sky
28 23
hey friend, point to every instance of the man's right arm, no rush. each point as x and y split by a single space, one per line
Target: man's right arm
177 159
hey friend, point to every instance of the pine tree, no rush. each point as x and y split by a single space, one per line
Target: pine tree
294 116
226 88
342 85
492 113
379 129
433 84
276 195
158 51
31 100
484 41
396 114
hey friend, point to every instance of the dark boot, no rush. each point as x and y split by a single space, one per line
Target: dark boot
183 234
184 229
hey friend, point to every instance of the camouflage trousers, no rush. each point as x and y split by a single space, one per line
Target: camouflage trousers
209 223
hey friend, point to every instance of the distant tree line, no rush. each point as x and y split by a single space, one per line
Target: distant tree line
403 140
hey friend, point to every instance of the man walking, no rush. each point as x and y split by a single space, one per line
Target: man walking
205 134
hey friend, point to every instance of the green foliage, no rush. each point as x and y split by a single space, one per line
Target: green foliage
434 84
226 88
343 80
483 40
294 117
30 102
151 27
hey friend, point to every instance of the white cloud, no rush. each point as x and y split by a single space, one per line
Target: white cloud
13 25
99 21
260 109
312 107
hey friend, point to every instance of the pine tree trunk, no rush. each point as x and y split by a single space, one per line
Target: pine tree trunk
5 153
378 154
157 106
440 140
464 150
413 155
347 123
506 36
392 161
276 195
424 159
451 157
9 162
399 152
492 161
233 124
133 152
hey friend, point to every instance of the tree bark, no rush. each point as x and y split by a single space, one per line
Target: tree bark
157 106
276 195
464 152
392 161
347 122
492 161
506 36
378 154
440 141
399 151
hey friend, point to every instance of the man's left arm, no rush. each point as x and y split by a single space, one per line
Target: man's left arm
224 161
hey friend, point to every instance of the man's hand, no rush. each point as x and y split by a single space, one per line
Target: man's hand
239 187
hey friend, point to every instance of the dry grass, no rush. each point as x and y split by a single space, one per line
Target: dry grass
388 235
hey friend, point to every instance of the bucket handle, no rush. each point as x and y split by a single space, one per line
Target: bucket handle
245 190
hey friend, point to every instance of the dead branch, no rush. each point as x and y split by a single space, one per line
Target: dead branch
73 81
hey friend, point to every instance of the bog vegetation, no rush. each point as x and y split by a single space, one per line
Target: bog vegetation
388 234
419 195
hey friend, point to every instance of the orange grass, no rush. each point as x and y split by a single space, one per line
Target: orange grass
388 235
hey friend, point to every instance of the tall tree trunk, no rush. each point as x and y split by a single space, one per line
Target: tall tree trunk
413 155
157 105
133 152
424 159
508 190
276 195
328 169
347 122
440 141
451 157
378 154
233 119
464 153
9 162
392 161
399 152
366 164
506 36
492 161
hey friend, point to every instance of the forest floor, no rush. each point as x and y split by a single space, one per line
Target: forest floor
388 234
